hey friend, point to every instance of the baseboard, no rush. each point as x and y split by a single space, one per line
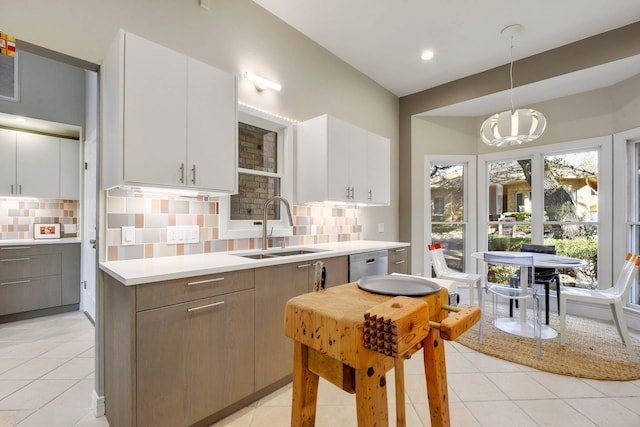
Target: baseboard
97 404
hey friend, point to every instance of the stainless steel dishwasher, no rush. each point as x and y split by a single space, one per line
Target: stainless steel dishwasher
368 264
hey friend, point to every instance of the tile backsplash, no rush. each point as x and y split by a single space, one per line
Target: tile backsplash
151 213
17 216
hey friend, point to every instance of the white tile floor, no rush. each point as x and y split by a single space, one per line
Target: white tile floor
47 371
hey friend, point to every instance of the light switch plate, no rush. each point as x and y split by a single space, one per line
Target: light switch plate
128 236
183 234
381 227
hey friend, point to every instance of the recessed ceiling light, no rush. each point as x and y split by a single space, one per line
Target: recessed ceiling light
427 55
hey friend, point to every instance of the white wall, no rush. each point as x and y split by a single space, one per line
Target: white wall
235 36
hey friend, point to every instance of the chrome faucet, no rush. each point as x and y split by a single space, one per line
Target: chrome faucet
264 217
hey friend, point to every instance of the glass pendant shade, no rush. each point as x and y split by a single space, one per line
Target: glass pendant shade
513 127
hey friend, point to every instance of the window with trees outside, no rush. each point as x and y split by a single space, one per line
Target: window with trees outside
549 199
452 204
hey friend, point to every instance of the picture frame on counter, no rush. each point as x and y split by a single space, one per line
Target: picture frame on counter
46 231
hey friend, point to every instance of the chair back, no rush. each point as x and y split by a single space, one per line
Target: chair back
438 262
540 249
511 259
626 276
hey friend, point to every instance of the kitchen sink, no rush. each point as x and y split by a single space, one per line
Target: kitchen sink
280 253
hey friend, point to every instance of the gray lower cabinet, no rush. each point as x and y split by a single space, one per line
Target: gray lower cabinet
35 277
399 260
194 359
274 287
185 351
177 351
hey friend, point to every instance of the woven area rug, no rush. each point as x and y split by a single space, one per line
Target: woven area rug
593 349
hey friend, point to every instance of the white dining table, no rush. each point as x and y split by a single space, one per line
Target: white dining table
520 326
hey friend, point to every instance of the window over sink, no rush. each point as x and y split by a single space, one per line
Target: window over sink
265 166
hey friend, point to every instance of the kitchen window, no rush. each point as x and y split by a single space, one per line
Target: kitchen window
264 170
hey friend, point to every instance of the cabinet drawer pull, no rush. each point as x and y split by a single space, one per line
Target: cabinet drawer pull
400 262
202 307
400 250
200 282
15 259
304 266
15 248
17 282
193 172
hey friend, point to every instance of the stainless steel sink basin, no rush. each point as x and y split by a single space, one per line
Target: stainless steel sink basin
280 253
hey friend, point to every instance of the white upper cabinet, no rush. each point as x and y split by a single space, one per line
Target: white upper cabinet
8 186
378 169
170 121
38 165
340 162
69 169
33 165
212 128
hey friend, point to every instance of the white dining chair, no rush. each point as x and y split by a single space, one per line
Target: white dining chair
443 271
614 297
526 290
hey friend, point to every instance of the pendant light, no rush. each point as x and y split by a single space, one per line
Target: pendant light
513 126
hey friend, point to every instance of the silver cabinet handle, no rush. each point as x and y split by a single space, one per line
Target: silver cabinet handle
17 282
200 282
182 173
352 193
400 250
14 248
14 259
304 265
193 174
348 192
11 188
400 262
20 189
202 307
370 194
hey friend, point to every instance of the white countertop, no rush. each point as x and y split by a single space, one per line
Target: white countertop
139 271
30 242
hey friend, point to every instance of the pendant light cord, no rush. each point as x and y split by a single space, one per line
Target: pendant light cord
513 110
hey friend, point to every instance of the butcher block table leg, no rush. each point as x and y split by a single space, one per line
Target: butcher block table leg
371 396
436 375
305 389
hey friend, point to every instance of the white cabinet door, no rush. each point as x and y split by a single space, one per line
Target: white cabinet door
8 163
69 169
38 165
155 122
338 147
357 139
378 169
212 141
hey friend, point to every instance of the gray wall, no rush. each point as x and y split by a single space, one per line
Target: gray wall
49 90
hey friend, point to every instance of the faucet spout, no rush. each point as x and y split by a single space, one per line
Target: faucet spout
264 216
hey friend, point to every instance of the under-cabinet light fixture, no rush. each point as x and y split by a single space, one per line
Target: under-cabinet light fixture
261 83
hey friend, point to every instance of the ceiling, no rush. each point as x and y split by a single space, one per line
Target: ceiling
384 40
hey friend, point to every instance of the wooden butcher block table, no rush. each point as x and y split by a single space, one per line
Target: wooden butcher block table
328 329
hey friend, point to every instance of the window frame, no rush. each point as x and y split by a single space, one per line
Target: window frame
468 162
242 229
537 153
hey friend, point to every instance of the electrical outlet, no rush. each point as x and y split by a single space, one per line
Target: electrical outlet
183 234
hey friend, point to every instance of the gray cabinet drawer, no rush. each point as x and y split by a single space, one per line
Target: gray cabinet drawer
25 266
160 294
29 294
